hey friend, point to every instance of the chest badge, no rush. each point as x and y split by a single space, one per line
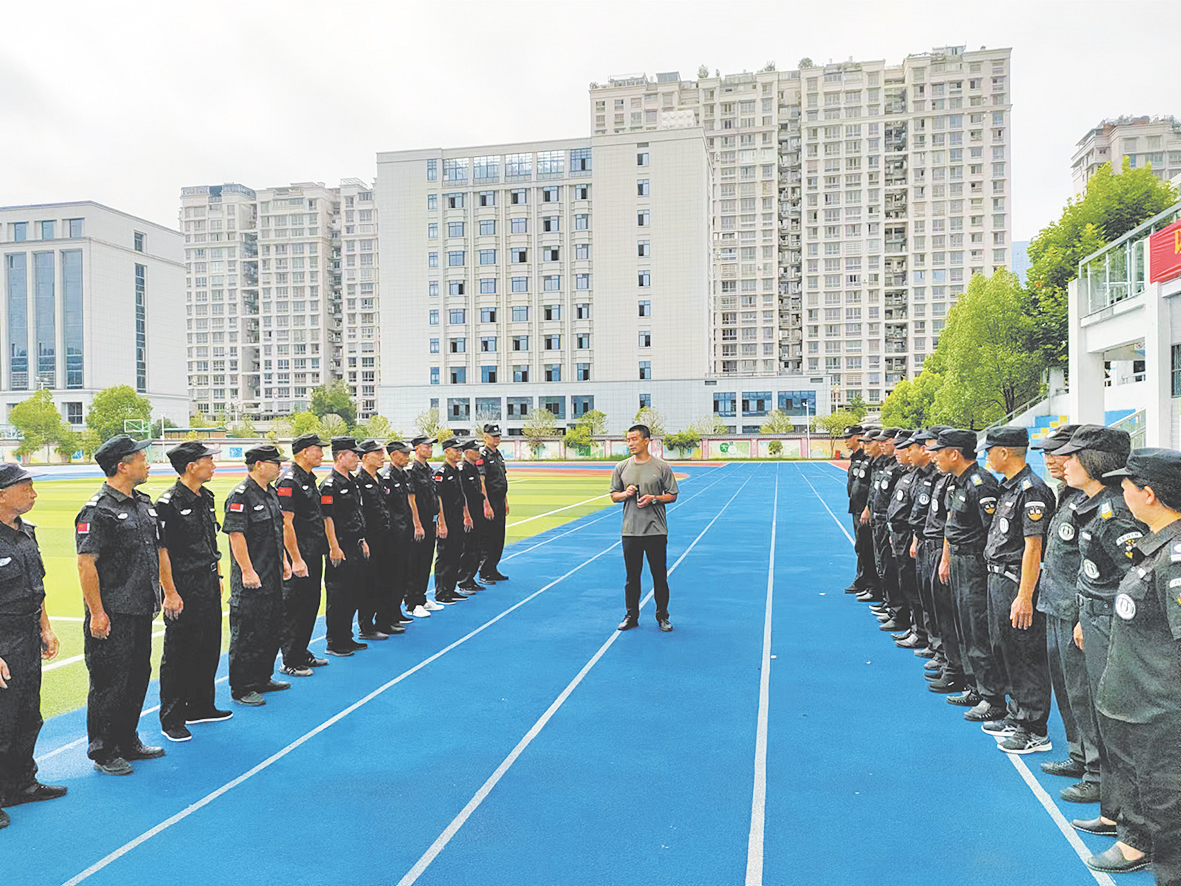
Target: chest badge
1090 569
122 516
4 561
1125 607
1066 532
186 512
1004 524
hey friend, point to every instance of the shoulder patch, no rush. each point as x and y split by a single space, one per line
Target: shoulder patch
976 480
241 488
1106 511
237 507
1026 483
285 491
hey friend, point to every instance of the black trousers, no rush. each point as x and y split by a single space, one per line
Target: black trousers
635 548
1095 619
969 588
450 552
256 624
927 578
369 589
867 572
301 605
1068 676
422 554
908 581
945 612
20 703
1020 656
395 560
120 669
495 536
192 649
1146 761
474 549
343 585
886 565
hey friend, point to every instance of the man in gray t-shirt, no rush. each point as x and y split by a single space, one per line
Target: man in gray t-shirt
645 484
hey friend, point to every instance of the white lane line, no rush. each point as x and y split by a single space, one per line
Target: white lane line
826 507
1039 792
456 823
758 808
1058 818
558 510
81 741
307 736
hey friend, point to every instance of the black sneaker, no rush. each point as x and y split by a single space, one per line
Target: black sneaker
289 671
1065 768
499 576
251 699
628 623
210 716
373 634
969 699
1022 742
142 751
177 733
274 686
339 653
486 580
357 646
945 686
114 766
1001 729
314 662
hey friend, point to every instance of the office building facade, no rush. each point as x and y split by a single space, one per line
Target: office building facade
1145 141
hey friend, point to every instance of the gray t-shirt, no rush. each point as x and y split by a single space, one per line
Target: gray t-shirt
653 477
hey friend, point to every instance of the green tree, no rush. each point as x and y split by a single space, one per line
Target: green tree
159 426
991 364
539 425
304 423
653 419
243 429
594 421
334 398
683 441
427 422
89 441
833 425
858 407
1112 205
333 425
578 437
112 406
775 449
68 443
777 422
39 424
912 403
710 425
376 426
199 420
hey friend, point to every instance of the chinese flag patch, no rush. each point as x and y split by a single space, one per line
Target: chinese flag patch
237 507
285 491
325 499
83 528
479 461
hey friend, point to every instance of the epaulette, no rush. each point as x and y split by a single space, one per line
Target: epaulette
241 488
165 498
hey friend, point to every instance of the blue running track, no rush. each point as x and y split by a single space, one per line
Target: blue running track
517 739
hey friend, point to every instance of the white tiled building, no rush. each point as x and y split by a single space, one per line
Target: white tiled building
93 298
1145 141
568 275
270 276
851 203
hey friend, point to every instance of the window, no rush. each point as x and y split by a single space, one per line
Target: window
582 222
518 225
582 340
432 201
756 402
487 315
20 231
553 372
47 230
551 283
520 284
645 338
432 170
520 374
455 259
457 316
487 227
453 201
520 342
432 231
459 407
549 253
725 404
552 312
455 229
75 227
645 308
488 286
458 375
579 406
519 255
433 288
73 410
642 188
434 375
582 311
645 369
645 401
549 224
455 287
457 346
550 195
582 251
488 375
556 406
518 196
582 372
642 158
487 198
582 281
138 241
487 256
643 278
643 218
487 409
580 160
582 192
432 259
433 346
519 407
433 318
488 344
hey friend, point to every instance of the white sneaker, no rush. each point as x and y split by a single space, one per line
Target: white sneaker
432 605
420 612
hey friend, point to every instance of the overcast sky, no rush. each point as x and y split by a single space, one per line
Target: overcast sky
127 102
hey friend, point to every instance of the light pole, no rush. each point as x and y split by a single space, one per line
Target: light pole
808 426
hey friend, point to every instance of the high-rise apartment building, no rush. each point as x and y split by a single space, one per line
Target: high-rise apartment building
851 202
93 298
1145 141
270 276
568 275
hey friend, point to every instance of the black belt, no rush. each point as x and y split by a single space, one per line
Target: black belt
1094 605
198 570
1001 570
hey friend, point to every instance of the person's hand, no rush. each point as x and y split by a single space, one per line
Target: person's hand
506 507
914 549
336 555
100 626
467 523
865 516
299 568
173 605
945 571
419 532
488 513
645 500
221 584
49 644
631 490
441 532
5 674
1078 635
250 579
287 572
1021 612
365 549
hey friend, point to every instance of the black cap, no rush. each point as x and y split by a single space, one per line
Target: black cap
922 435
423 440
469 444
450 443
854 430
263 453
1158 468
12 473
954 438
1006 435
397 446
303 441
367 446
1098 438
492 429
116 449
905 438
1059 437
344 444
188 452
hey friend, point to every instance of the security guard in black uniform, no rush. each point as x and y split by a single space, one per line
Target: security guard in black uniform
886 472
348 549
857 487
397 485
455 524
192 641
26 638
496 489
970 502
925 640
476 544
306 545
259 566
1107 533
1013 554
898 517
1139 698
375 614
424 512
122 567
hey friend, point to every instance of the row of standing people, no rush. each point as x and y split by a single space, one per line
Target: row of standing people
370 536
1009 591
